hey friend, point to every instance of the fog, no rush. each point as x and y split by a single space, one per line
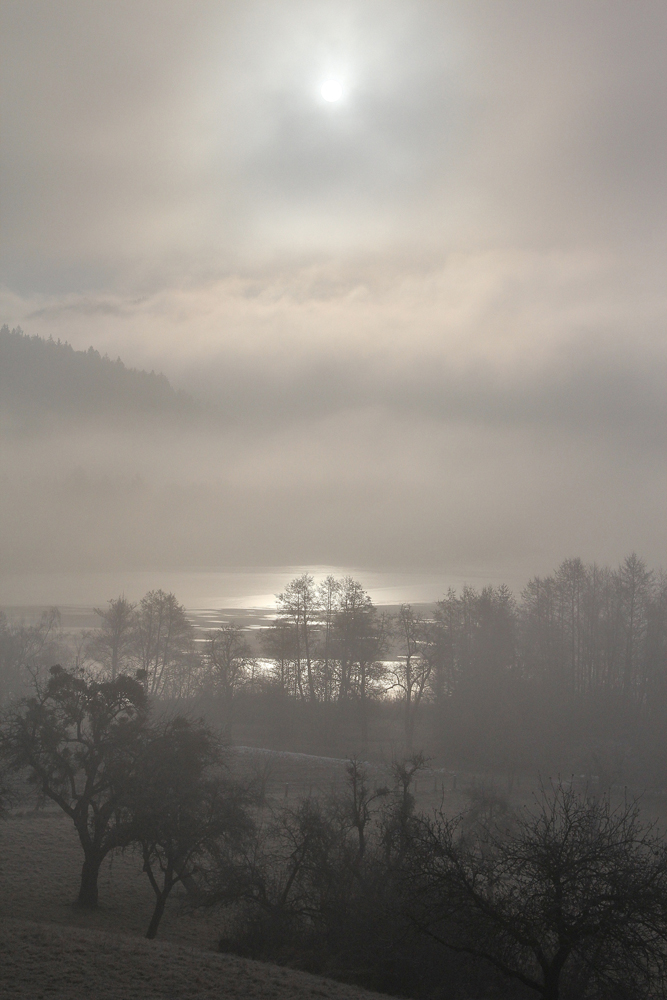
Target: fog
332 498
424 325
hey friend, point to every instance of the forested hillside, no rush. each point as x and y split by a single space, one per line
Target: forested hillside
45 380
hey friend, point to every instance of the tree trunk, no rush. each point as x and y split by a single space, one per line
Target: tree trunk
157 914
190 886
409 719
552 974
364 725
551 986
88 889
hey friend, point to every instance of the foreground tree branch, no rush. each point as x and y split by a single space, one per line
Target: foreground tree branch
571 884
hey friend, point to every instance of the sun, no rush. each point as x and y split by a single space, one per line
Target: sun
331 90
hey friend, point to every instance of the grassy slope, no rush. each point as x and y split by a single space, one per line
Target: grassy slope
48 948
40 960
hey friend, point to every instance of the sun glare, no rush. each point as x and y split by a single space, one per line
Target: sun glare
331 90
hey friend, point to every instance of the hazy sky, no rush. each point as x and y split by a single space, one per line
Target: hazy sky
433 311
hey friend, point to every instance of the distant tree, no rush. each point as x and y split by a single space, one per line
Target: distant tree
412 671
442 635
399 815
111 645
571 890
359 641
328 599
298 606
80 741
229 663
656 648
164 645
634 583
356 805
181 810
26 650
279 643
327 643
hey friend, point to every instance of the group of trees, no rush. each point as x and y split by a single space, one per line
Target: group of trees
153 640
567 897
584 639
125 778
328 643
590 630
583 630
478 675
154 637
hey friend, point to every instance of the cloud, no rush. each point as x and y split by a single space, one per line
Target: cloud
143 143
431 318
573 340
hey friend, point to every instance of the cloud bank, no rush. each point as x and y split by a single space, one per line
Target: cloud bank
429 320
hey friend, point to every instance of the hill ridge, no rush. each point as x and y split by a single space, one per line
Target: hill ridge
42 380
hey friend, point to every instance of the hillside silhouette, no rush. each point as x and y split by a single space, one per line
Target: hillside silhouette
47 381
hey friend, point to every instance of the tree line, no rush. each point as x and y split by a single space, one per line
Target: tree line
479 674
40 379
153 639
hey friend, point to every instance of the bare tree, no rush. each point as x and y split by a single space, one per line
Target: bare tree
163 644
298 605
571 889
26 650
357 804
111 645
180 809
359 640
411 673
279 642
328 597
229 663
634 587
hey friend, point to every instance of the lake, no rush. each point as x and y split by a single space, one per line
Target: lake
229 588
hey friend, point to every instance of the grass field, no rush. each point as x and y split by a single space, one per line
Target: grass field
50 948
40 856
39 961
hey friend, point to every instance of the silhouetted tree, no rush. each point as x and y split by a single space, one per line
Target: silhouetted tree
80 741
298 606
180 808
229 663
358 641
111 645
399 816
412 671
572 888
328 598
164 645
356 805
